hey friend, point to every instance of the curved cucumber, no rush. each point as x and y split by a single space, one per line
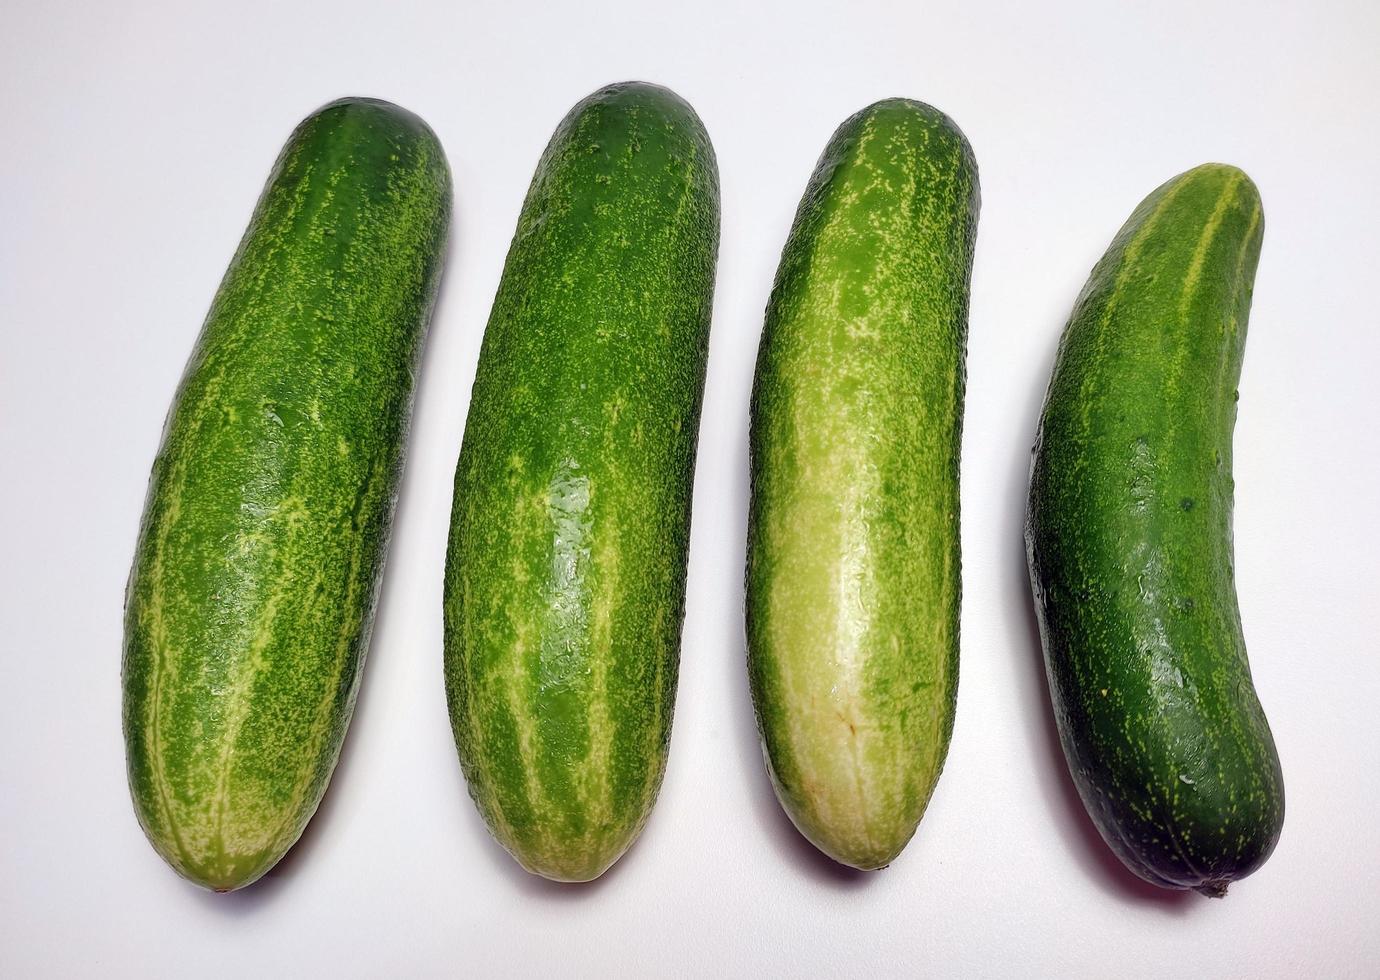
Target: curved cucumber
251 599
853 547
1130 548
565 578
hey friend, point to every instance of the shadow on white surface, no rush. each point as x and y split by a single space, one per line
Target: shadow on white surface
1075 826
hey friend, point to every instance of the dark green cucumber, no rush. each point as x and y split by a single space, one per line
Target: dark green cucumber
853 549
565 578
251 600
1130 546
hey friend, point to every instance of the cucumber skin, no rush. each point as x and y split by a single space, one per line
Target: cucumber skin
565 577
857 417
251 599
1130 546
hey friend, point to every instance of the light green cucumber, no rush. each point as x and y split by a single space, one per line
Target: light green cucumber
853 547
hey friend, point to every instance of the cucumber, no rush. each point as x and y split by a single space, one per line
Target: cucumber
251 600
853 549
1129 541
565 575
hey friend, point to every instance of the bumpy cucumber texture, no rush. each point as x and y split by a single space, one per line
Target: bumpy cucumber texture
565 579
853 549
251 600
1129 541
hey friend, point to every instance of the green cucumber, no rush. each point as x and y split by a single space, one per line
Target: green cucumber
251 600
853 580
565 577
1129 541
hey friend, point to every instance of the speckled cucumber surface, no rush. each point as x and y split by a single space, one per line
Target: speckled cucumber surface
251 600
1130 543
853 541
565 579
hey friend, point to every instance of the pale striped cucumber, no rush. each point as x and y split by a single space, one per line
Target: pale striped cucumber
1130 543
853 547
565 581
250 604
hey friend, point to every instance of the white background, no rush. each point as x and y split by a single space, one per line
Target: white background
133 144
